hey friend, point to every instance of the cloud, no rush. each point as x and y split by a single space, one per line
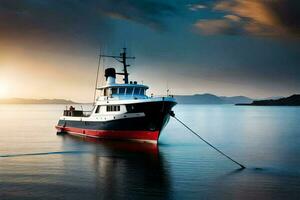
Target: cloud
254 17
85 20
196 7
233 18
147 12
225 26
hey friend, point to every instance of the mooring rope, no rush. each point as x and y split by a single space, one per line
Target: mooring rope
41 153
172 114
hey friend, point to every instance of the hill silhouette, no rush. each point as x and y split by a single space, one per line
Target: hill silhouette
35 101
293 100
210 99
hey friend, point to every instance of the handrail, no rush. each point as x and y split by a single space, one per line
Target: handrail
161 96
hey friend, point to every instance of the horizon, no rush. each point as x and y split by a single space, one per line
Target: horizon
191 47
91 101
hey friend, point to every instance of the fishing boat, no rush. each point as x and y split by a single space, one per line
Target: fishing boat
121 111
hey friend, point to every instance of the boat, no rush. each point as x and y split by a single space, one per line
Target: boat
121 111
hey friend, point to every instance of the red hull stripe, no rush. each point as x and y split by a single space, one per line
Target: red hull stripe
111 134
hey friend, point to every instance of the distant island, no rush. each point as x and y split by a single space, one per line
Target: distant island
35 101
293 100
211 99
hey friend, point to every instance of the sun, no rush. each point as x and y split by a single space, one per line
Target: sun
3 89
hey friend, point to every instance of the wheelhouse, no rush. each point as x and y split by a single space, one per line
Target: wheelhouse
123 90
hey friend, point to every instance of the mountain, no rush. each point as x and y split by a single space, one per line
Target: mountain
210 99
272 98
199 99
35 101
293 100
236 99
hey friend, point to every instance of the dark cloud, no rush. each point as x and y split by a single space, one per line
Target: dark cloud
254 17
61 20
64 20
146 12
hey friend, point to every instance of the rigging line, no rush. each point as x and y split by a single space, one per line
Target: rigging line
96 82
172 114
102 70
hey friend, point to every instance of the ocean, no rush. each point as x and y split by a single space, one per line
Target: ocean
35 163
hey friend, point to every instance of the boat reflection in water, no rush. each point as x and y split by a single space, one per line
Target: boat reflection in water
123 169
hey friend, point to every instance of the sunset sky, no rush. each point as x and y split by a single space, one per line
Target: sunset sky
49 48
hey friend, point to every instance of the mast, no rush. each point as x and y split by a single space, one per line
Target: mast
122 58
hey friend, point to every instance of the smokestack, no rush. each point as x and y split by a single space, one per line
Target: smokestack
110 74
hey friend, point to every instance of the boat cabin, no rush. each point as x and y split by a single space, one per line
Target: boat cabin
124 90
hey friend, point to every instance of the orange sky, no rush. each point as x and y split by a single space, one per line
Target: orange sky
34 74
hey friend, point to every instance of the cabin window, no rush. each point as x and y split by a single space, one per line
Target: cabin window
113 108
130 108
121 90
114 90
129 91
137 91
142 91
97 109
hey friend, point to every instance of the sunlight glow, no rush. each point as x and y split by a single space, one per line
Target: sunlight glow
3 89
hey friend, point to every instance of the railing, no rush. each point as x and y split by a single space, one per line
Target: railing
161 96
77 113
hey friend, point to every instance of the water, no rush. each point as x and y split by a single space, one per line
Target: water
35 163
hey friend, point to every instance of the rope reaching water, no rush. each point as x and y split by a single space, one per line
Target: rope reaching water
172 114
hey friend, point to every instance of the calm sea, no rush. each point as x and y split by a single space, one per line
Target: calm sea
35 163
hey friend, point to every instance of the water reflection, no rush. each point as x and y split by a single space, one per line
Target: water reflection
258 183
125 169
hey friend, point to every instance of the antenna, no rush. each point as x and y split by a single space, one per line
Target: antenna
122 59
168 89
